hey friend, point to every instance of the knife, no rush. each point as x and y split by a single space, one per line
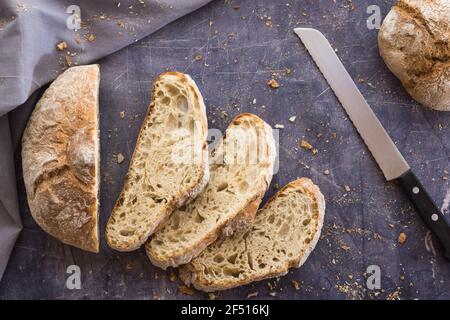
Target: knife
384 151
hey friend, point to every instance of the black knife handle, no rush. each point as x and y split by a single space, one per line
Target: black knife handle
427 209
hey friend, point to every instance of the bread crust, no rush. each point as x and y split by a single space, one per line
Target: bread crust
183 196
414 41
60 158
191 274
243 217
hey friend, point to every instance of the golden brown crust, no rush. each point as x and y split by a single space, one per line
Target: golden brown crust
193 273
414 41
59 158
183 196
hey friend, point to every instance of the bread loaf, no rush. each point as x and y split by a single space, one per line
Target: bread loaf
60 158
414 41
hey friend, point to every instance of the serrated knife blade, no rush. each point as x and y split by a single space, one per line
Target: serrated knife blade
372 132
369 127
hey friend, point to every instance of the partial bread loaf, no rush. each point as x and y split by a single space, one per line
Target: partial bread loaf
285 232
241 170
414 41
169 166
60 158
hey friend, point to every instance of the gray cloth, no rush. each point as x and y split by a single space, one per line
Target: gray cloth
29 32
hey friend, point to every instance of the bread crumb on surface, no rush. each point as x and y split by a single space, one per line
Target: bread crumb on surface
198 57
345 247
292 119
211 296
347 188
395 295
326 172
120 158
122 114
296 284
91 38
61 46
306 145
131 265
252 294
186 290
401 238
173 277
279 126
69 60
273 84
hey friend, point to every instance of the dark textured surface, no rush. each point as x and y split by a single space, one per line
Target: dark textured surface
240 52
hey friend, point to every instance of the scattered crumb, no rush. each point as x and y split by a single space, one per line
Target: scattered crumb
315 151
287 71
273 84
296 285
279 126
198 57
211 296
326 172
306 145
391 225
254 101
345 247
395 295
276 185
401 238
131 265
272 294
252 295
173 277
69 60
61 46
292 119
122 114
186 290
91 38
236 7
120 158
347 188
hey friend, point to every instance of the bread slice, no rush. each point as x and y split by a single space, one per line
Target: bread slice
169 166
241 170
285 232
60 158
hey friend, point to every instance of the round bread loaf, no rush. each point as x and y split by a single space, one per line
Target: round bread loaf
60 158
414 41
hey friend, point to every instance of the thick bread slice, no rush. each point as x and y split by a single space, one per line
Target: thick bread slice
285 232
60 158
169 166
241 170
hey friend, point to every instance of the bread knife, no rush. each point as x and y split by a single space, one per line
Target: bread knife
384 151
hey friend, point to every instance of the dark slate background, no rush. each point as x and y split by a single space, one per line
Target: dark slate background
240 53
